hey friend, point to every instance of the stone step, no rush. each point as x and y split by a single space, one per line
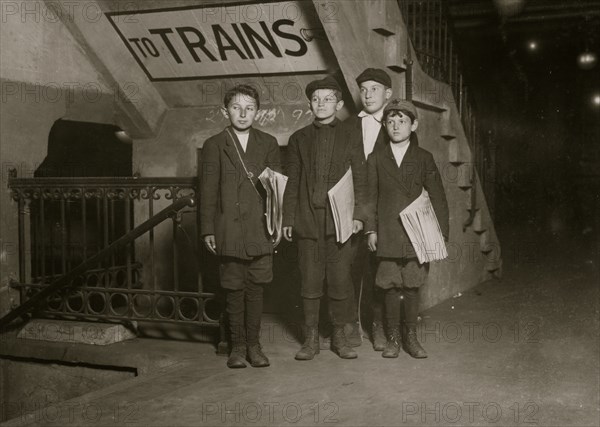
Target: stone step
486 245
448 131
479 224
70 331
464 179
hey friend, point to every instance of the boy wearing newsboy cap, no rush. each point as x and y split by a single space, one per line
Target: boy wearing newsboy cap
397 174
318 157
375 91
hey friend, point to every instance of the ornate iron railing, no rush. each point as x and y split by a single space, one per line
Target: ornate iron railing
84 222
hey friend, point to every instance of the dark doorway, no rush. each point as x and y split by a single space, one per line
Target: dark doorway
81 149
67 228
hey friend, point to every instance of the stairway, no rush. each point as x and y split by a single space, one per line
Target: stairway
374 35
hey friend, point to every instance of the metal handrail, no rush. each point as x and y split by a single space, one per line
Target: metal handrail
127 238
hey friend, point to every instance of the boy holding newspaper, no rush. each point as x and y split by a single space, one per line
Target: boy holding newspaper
232 219
320 156
397 175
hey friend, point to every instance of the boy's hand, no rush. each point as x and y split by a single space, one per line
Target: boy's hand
356 226
372 242
287 233
209 242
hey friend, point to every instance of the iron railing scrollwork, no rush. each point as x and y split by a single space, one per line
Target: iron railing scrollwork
80 257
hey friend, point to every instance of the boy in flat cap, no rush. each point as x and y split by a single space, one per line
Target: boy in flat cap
375 91
397 174
318 157
232 219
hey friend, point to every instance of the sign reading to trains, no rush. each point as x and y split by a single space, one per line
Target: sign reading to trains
244 39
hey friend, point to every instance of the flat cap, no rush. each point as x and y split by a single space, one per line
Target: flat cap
325 83
375 74
398 104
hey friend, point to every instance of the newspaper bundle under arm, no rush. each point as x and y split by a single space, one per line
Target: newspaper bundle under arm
341 198
423 229
274 183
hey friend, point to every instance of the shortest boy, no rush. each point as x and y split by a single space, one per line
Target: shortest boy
397 174
232 220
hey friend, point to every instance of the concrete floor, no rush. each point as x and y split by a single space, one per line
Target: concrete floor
520 351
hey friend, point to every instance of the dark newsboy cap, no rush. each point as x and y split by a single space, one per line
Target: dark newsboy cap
401 105
326 83
375 74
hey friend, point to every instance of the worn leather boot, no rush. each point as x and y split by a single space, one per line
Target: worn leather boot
379 340
392 347
237 357
339 344
411 343
237 329
311 344
352 332
257 357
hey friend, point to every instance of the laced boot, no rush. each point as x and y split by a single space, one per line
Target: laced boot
352 332
257 357
392 347
379 340
411 343
237 357
339 344
235 312
311 344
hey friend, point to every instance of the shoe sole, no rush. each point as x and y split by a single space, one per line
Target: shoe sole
354 356
236 367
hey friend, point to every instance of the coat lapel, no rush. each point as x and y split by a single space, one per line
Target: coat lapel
232 147
382 139
340 144
407 171
305 149
409 167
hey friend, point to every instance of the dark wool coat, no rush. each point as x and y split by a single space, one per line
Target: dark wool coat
298 209
392 188
230 206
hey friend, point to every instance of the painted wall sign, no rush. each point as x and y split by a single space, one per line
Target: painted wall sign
237 39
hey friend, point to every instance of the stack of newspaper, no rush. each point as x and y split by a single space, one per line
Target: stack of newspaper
423 229
274 183
341 198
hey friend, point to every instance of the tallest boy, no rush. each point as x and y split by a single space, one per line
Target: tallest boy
375 92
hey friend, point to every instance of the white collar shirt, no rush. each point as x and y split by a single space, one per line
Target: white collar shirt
371 125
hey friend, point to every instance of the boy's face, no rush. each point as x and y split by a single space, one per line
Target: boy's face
399 126
241 112
374 95
324 104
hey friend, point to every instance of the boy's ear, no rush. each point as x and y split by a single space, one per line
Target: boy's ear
415 125
224 111
388 93
339 105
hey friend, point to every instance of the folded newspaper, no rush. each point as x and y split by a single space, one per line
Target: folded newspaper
423 229
341 198
274 183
